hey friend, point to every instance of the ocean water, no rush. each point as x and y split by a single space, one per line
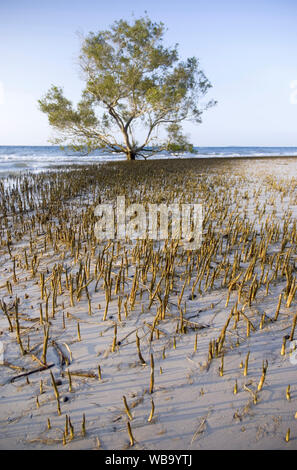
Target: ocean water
25 158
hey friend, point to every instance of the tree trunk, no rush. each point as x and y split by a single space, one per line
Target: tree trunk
130 155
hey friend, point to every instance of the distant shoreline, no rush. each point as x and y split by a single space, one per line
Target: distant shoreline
15 168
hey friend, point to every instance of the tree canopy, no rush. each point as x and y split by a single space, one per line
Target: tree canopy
134 88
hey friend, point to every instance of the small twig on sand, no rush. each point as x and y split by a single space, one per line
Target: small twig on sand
40 369
200 429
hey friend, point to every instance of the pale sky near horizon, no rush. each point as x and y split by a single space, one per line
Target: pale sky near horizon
247 49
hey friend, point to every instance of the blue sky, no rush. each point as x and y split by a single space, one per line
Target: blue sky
248 50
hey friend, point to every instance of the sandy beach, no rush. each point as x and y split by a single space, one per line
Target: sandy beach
141 344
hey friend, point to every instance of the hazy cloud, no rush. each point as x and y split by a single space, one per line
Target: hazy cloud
21 122
1 93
